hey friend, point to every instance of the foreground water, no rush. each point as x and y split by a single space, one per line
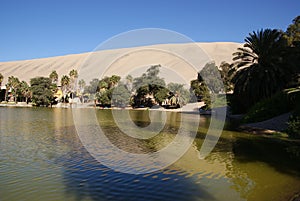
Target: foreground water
42 158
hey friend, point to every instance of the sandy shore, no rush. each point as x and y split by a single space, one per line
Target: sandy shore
19 104
189 108
273 125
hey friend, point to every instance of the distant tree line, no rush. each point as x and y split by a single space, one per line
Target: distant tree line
41 90
145 91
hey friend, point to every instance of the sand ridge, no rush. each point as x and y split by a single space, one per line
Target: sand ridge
26 69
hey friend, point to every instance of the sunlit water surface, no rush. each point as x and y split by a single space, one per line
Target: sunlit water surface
42 158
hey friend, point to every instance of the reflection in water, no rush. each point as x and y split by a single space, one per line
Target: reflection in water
42 158
89 179
254 157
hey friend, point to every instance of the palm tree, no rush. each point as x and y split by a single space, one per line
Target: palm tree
113 80
13 85
53 76
25 90
65 83
1 79
258 71
73 79
73 73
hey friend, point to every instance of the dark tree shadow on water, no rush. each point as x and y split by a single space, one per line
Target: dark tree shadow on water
85 177
283 155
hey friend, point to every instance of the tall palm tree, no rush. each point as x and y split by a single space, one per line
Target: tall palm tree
73 73
25 90
73 79
113 80
1 79
258 68
65 83
13 85
53 76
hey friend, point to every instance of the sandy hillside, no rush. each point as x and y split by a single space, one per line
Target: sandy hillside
174 58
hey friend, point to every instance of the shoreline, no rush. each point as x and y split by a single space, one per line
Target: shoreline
277 124
271 126
189 108
19 104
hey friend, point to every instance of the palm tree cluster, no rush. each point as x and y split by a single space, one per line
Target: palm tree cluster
268 62
265 65
259 68
17 90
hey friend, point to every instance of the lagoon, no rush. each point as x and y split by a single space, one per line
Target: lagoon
42 158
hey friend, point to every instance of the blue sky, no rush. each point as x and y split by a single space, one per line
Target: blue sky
35 29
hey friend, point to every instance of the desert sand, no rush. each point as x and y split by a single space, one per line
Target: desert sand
125 61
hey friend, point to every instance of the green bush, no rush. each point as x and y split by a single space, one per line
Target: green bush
268 108
293 129
42 91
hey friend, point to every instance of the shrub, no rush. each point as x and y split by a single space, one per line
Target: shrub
268 108
42 91
293 129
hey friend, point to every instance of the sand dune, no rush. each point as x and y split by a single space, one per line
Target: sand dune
124 61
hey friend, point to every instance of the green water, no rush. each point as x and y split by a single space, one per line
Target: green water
42 158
